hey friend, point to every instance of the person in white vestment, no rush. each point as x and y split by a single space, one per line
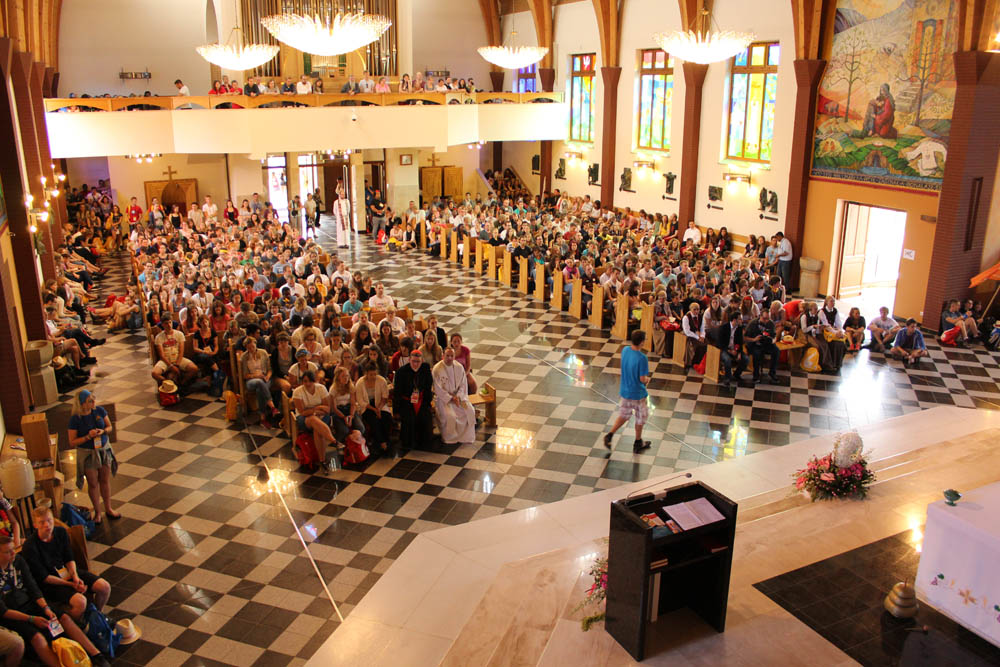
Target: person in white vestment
341 218
456 416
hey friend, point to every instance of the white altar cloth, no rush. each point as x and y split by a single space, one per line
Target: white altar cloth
959 572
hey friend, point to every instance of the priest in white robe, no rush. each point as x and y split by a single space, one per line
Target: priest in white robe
456 416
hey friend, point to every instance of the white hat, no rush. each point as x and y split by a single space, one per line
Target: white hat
129 631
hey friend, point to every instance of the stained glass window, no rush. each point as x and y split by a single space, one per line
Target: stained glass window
653 102
581 97
526 79
753 93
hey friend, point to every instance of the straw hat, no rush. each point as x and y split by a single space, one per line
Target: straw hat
58 361
168 387
129 631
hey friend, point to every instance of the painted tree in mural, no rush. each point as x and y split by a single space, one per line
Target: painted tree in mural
848 66
923 67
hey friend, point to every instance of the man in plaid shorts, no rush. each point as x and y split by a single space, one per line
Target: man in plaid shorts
635 376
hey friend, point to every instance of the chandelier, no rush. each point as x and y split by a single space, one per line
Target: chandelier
327 36
512 57
703 46
237 55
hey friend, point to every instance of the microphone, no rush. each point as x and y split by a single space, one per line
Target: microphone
633 498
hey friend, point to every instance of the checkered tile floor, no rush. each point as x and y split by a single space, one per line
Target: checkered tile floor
208 559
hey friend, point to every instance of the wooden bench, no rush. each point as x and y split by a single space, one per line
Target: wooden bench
467 254
491 261
522 274
444 235
597 307
453 250
506 266
540 281
620 328
576 299
489 403
557 290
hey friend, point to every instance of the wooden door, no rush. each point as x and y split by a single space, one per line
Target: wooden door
431 182
335 170
453 183
852 250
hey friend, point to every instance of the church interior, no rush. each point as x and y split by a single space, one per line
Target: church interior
328 324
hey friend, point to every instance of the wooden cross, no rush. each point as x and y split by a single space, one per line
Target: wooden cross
169 173
434 160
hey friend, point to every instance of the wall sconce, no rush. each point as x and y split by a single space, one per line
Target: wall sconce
643 164
573 155
732 177
477 146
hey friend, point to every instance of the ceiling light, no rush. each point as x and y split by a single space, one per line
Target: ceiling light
703 46
513 57
326 36
238 56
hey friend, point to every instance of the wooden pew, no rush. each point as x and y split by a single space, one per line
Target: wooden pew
445 235
540 282
422 233
491 261
480 249
646 325
506 268
467 255
249 398
489 403
557 290
713 358
597 307
576 299
620 327
522 274
288 414
453 251
680 346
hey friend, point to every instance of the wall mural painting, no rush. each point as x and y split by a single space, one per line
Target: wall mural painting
885 102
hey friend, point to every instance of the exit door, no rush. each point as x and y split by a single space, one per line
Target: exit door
870 251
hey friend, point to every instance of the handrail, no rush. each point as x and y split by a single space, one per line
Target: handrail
486 182
311 100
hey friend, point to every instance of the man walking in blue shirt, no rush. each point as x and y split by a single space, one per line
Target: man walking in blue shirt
635 375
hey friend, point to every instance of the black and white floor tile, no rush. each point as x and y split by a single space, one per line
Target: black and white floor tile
228 551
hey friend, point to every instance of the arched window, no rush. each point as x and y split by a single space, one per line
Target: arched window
654 89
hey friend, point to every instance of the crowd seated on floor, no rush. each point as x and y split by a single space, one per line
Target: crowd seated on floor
698 280
250 302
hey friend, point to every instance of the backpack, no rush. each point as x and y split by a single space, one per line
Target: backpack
305 450
810 361
134 321
357 448
218 383
71 515
232 405
950 337
168 398
101 631
69 653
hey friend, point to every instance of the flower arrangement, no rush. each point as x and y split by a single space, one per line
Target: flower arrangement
843 473
596 593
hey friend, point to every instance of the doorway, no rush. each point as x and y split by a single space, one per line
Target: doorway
871 246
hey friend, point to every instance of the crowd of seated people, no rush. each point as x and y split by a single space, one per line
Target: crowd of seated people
330 339
696 279
306 85
46 594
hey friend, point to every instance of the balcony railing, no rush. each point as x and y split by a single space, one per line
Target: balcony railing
310 100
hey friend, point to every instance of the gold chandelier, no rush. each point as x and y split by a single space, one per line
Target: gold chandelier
705 45
329 35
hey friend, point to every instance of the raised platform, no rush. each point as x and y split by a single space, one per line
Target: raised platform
500 590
